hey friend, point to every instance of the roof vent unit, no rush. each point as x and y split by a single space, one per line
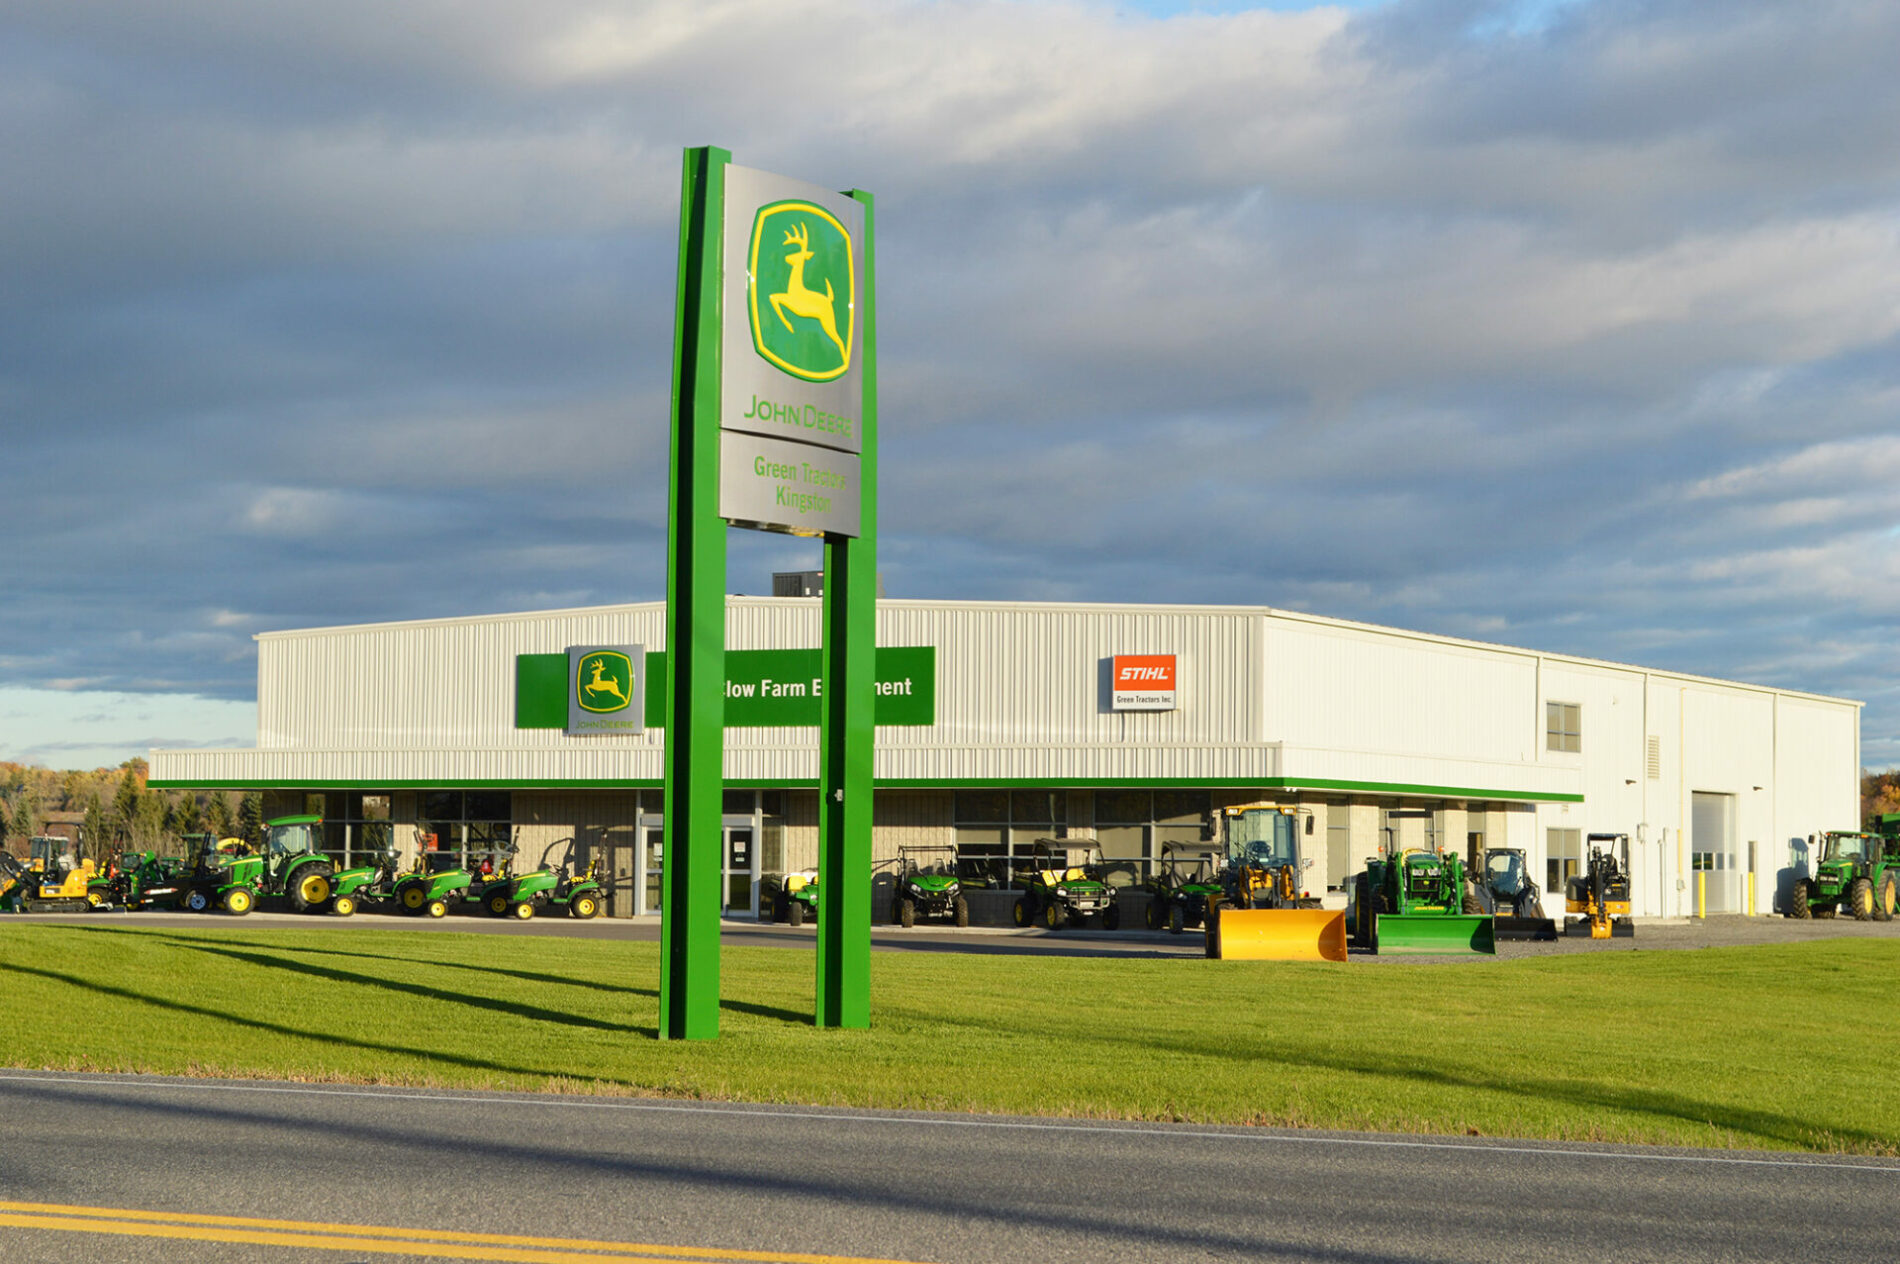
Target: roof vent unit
798 583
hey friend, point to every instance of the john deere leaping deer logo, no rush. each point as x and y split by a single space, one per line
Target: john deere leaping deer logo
802 291
604 682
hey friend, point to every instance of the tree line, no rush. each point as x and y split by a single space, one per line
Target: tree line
120 810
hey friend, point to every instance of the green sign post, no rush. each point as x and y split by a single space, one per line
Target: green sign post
774 423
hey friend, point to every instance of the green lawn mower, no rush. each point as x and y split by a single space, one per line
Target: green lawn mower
1180 891
427 889
521 895
1061 886
927 886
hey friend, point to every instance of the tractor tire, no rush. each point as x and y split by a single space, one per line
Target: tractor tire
437 908
524 910
1798 906
497 904
1154 914
794 913
95 898
906 913
238 901
1177 918
1023 912
343 905
1860 900
960 912
1052 916
413 897
1112 917
1361 902
1886 898
1469 905
311 886
584 907
196 900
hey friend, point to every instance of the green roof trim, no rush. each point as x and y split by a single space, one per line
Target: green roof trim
918 783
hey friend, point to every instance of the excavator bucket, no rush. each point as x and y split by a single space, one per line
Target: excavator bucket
1277 934
1435 933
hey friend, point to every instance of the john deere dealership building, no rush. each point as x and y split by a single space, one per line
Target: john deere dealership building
1002 723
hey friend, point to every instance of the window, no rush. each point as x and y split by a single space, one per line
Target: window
1563 859
474 824
1563 726
1135 823
989 823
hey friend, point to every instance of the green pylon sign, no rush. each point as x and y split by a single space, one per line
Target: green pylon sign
774 427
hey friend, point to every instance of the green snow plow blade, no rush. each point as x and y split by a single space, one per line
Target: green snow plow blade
1435 933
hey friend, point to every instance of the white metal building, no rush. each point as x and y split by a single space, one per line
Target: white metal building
1389 738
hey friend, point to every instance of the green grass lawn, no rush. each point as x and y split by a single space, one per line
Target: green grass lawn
1783 1046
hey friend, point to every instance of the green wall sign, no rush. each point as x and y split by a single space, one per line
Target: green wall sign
764 688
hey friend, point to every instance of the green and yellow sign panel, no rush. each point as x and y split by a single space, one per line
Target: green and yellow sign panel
606 689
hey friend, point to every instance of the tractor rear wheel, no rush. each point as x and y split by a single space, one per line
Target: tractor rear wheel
1860 900
906 912
413 897
310 886
795 913
498 904
960 912
1112 917
1022 912
1886 898
1469 904
584 907
1798 906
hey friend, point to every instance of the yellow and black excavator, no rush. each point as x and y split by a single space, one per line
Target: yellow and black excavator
55 881
1601 894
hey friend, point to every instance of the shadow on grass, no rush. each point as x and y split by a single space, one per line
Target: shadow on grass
1799 1132
265 957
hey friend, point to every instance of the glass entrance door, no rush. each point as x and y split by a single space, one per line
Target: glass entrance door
741 866
652 864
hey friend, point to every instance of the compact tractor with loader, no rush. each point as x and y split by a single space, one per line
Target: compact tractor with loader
1419 902
230 876
1857 873
1061 887
1263 911
1184 888
1599 897
927 886
1504 889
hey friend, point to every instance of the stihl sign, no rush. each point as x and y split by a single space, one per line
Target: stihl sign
1143 682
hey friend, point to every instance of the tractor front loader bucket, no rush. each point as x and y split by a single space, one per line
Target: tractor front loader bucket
1435 933
1277 934
1526 928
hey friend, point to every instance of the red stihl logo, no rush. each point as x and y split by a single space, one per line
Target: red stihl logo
1145 672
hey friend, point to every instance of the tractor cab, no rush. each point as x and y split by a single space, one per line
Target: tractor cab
1264 868
291 836
52 855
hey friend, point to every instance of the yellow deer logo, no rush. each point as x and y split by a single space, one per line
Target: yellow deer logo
602 683
802 300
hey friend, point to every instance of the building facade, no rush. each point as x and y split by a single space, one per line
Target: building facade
1000 724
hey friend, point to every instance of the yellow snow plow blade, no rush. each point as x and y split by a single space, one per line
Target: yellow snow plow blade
1277 934
1435 933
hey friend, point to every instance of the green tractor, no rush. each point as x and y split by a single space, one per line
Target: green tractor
1182 888
927 886
228 875
797 900
438 878
360 884
1855 872
1419 902
1061 886
520 895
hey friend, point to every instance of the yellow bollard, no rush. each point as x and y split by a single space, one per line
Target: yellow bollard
1751 893
1702 893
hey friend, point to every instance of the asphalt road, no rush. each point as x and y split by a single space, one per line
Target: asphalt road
95 1168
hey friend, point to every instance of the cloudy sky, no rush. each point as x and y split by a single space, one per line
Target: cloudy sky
1571 324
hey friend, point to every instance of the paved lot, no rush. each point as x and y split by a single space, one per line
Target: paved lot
1655 934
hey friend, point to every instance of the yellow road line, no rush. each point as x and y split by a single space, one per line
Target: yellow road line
393 1240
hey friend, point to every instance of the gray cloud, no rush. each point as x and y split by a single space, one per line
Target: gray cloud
1577 334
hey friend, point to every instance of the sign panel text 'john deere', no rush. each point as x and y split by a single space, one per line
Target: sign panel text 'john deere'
791 368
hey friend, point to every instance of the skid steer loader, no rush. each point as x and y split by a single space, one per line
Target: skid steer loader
1504 889
1264 912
